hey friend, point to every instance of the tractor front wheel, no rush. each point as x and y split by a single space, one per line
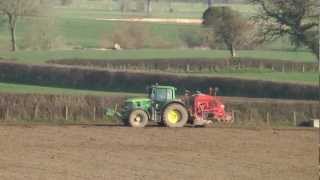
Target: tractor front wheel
138 118
175 115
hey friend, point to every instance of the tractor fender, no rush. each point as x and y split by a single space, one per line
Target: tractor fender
174 102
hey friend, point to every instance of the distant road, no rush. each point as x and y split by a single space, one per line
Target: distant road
154 20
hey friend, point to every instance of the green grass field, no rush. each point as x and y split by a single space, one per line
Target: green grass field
28 89
79 29
291 77
43 56
103 9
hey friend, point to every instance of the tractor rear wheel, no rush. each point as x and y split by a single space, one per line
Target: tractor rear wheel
175 115
138 118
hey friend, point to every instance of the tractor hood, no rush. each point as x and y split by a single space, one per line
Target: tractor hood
135 100
136 103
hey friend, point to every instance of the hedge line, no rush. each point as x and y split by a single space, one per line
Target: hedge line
55 108
99 79
194 65
285 112
90 109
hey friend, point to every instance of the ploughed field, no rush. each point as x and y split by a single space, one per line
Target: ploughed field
112 152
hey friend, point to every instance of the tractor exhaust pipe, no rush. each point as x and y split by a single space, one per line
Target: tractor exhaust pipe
213 92
210 91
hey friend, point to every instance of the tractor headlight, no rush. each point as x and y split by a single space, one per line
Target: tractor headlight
222 106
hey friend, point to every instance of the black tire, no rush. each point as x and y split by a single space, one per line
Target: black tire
178 109
138 118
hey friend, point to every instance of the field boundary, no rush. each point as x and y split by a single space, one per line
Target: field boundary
136 81
193 65
65 109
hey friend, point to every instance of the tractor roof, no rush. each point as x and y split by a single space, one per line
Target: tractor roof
165 87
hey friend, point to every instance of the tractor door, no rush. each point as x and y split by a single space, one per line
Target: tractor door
159 96
162 95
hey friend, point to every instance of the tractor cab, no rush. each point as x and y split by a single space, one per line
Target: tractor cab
161 94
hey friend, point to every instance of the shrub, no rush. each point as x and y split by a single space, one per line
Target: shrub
131 35
42 35
66 2
105 41
192 38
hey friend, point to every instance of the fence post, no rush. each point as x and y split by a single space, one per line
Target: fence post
268 118
233 116
66 113
294 119
188 68
94 112
303 68
319 159
283 69
35 111
250 116
6 116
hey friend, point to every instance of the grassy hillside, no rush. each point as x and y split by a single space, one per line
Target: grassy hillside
43 56
93 9
295 77
78 27
81 32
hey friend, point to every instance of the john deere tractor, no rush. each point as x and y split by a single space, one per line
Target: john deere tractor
163 107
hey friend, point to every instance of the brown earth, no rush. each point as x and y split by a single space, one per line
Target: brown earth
106 152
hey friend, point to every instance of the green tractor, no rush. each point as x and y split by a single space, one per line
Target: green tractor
164 108
161 106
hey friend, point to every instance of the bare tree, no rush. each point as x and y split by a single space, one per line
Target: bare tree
230 28
209 3
66 2
148 6
296 18
124 5
14 9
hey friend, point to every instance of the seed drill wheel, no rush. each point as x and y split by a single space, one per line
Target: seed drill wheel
138 118
175 115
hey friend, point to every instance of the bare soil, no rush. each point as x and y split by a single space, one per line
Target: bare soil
107 152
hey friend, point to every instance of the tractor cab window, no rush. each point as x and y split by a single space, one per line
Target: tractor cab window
161 94
169 94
